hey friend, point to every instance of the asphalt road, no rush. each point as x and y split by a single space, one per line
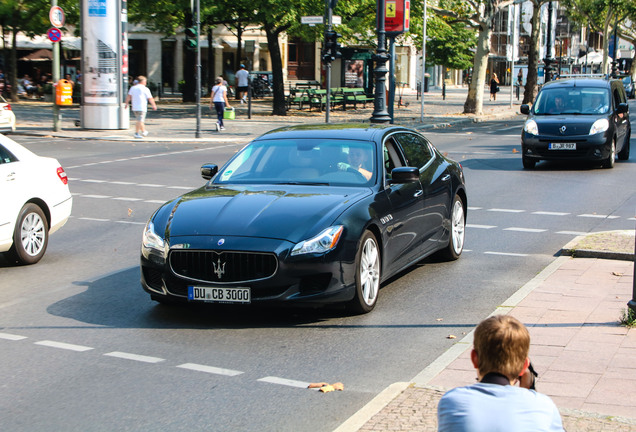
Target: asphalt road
83 348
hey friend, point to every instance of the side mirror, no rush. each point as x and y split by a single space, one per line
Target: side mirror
208 171
405 175
525 109
622 108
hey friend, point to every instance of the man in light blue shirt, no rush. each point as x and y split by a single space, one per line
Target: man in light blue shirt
494 404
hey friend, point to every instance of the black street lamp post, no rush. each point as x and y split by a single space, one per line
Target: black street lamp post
547 61
380 114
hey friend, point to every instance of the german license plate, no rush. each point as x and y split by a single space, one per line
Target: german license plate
219 294
562 146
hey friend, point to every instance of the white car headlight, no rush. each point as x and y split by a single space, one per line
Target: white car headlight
600 125
323 242
531 127
152 242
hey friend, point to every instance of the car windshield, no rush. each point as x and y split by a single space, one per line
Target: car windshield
337 162
627 80
575 100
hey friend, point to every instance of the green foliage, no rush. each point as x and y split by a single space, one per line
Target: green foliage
628 318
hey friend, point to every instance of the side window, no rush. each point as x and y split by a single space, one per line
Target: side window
416 149
6 156
391 157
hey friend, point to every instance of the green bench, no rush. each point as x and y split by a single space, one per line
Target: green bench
355 96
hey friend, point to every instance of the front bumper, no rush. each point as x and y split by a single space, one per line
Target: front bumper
322 279
588 147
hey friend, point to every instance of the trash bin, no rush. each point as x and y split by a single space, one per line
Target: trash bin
64 92
425 84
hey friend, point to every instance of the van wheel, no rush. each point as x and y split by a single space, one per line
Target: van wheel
528 163
609 162
624 153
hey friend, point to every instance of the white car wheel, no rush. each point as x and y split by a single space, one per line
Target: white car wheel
31 235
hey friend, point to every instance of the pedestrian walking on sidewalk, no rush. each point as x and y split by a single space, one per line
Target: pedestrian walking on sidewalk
242 83
494 87
495 403
140 96
219 102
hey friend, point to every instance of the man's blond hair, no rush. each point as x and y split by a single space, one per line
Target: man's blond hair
502 343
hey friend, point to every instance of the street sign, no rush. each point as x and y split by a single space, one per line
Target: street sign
311 20
56 15
54 34
397 16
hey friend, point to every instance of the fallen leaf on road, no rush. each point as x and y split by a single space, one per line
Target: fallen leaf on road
451 337
617 274
515 151
317 385
440 319
130 212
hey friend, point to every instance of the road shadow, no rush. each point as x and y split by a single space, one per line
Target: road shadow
118 301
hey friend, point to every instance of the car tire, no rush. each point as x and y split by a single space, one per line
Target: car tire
609 162
31 235
367 276
528 163
457 231
624 153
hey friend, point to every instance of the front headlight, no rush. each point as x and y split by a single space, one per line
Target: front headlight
600 125
323 242
531 127
151 241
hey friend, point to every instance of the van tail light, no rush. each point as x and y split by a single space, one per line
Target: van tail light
7 107
62 175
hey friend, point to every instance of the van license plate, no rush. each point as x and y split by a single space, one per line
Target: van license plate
219 294
562 146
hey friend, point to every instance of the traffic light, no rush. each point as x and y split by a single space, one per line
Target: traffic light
331 50
192 38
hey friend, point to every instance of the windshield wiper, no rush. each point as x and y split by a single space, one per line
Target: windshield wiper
304 183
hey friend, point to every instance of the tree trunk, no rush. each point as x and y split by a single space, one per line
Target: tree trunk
239 53
532 87
277 72
475 99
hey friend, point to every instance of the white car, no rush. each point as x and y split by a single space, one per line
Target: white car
7 116
35 201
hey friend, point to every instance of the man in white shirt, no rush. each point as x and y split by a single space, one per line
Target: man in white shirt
495 404
140 95
242 83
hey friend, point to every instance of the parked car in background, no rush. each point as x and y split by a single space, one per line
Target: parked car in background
7 116
630 90
309 214
577 119
36 201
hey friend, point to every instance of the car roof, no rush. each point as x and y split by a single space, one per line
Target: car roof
346 131
579 82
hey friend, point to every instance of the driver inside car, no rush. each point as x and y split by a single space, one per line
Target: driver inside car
357 160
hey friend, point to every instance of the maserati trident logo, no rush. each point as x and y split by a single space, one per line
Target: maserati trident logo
562 129
219 268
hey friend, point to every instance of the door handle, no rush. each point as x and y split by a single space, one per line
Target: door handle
446 177
418 193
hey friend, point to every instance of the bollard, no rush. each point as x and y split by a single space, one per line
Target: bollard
444 90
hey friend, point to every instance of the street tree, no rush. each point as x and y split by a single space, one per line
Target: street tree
31 18
480 15
532 79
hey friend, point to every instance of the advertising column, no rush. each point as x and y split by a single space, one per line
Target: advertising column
104 64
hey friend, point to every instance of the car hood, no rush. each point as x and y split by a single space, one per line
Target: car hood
286 213
574 124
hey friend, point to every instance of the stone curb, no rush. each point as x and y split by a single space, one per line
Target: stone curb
572 249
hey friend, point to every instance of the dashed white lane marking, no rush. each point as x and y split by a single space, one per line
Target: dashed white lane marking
284 381
12 337
576 233
135 357
62 345
548 213
97 196
528 230
475 208
480 226
94 181
126 199
151 185
94 219
598 216
506 254
122 183
506 210
209 369
155 201
130 222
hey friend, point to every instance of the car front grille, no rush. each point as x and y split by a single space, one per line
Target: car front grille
223 267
